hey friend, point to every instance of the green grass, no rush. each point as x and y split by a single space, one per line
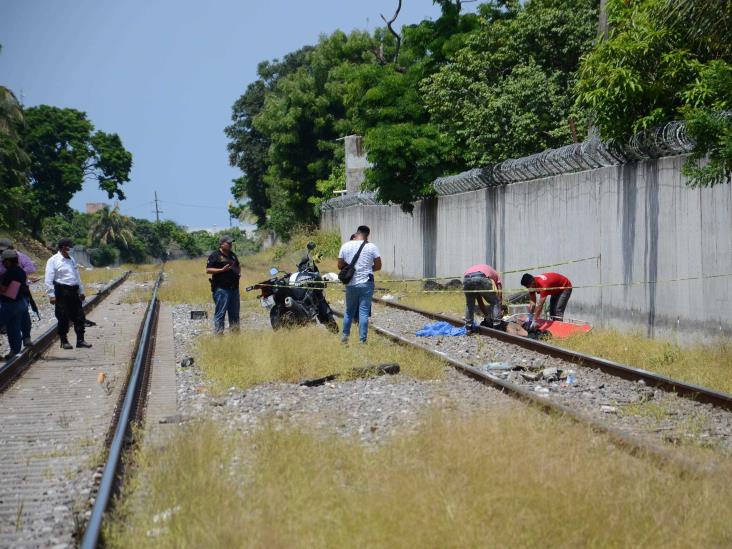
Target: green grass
259 356
503 479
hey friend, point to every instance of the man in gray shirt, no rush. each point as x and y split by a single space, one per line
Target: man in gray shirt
360 289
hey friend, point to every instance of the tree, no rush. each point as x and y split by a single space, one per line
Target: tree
109 226
64 151
385 105
301 118
247 146
74 226
664 60
14 160
507 92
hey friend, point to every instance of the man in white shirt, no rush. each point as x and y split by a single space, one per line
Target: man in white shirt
360 289
65 290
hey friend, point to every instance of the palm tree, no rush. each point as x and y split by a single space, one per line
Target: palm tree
110 227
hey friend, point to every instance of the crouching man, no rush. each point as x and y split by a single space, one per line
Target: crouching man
555 285
482 285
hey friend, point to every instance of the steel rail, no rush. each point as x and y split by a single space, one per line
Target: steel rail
633 444
681 388
19 363
128 413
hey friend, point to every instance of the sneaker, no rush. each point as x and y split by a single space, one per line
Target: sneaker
66 345
89 323
27 342
83 344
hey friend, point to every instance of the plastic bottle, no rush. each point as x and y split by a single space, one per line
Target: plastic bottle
571 379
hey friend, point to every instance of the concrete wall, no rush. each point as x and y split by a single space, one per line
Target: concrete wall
639 220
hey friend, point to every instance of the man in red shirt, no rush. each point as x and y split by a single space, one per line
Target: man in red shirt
548 284
482 283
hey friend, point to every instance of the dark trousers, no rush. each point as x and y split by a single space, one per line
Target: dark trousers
557 304
477 284
11 314
68 309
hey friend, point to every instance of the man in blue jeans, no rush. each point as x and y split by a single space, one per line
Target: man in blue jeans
223 266
360 289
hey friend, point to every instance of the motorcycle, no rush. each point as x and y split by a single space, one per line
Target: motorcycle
296 299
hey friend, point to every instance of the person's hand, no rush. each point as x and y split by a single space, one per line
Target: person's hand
52 300
225 268
82 297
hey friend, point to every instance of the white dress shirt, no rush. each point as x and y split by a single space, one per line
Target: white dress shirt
62 270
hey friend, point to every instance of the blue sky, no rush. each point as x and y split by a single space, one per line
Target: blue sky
163 74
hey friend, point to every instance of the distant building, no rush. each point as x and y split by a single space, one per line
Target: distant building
94 207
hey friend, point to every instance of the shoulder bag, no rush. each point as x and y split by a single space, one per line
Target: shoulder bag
347 272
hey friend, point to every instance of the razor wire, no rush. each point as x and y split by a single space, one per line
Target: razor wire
366 198
671 138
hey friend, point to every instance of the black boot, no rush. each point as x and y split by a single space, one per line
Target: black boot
65 344
83 344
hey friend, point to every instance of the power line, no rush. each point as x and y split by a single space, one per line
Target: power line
194 205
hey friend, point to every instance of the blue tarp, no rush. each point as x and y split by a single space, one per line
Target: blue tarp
441 328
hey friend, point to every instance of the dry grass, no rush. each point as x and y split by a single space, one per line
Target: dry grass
709 365
500 479
411 293
261 356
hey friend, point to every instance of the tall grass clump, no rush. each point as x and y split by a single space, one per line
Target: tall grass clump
261 356
502 479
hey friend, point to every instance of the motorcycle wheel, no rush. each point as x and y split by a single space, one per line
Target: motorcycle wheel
282 317
331 325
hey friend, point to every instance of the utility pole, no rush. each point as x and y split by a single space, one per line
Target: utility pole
158 211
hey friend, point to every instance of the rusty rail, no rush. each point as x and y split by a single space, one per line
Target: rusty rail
681 388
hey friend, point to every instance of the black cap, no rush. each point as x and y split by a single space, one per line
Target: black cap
225 238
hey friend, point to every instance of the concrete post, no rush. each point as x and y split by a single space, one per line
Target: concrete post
356 163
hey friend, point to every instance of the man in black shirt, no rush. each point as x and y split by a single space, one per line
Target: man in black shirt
223 266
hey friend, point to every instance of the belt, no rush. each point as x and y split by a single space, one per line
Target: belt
76 287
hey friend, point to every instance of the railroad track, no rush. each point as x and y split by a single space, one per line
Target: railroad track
650 379
639 410
59 412
18 364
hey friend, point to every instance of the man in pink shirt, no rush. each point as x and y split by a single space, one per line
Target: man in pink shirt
482 283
